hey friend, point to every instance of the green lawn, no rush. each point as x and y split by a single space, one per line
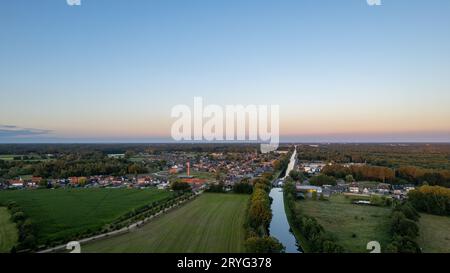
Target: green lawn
211 223
434 233
202 175
344 220
62 213
8 231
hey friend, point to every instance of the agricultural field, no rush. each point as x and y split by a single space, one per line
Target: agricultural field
353 225
64 213
29 158
434 233
8 231
7 157
212 223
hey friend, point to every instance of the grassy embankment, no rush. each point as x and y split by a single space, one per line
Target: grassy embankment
8 231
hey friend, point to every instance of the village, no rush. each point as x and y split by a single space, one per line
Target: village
201 169
197 169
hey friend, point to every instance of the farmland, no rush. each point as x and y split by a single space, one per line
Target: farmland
63 213
434 233
210 223
8 231
352 225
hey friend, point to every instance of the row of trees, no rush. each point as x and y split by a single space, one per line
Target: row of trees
27 237
72 165
401 175
364 172
435 156
419 176
318 240
404 229
431 199
259 215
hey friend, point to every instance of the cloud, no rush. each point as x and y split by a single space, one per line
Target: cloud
8 131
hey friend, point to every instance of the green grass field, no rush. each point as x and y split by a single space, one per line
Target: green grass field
7 157
30 158
211 223
434 233
353 225
8 231
63 213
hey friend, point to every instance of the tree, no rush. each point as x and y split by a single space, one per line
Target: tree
314 195
264 244
43 183
180 186
402 226
82 181
242 187
349 178
295 175
431 199
408 210
18 216
260 213
322 179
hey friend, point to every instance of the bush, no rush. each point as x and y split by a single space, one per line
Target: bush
242 187
180 186
18 216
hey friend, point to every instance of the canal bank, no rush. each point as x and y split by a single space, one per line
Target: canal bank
301 240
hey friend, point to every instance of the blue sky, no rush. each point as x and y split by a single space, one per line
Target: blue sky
111 70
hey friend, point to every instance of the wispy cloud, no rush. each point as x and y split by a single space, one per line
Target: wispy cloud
8 131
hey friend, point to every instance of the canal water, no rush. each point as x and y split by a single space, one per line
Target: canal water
279 226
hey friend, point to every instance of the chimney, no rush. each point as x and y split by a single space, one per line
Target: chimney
188 168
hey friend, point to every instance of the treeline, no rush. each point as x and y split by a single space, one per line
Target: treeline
401 175
27 230
433 156
282 163
259 215
364 172
72 165
318 241
404 229
419 176
431 199
121 148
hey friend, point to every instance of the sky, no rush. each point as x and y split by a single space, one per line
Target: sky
112 70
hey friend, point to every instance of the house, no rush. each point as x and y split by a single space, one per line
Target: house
16 183
353 189
36 180
74 180
308 189
162 186
362 202
175 169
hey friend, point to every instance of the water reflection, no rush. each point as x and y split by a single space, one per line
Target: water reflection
279 227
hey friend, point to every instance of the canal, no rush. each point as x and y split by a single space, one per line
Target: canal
279 226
